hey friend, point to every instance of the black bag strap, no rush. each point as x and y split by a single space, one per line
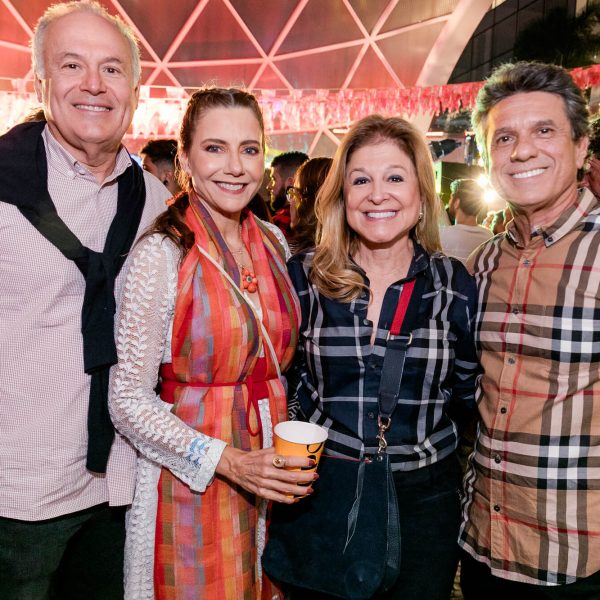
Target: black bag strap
398 340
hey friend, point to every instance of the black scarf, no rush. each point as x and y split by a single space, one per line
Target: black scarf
24 183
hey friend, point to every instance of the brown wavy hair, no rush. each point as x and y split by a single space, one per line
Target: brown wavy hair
333 272
171 223
309 178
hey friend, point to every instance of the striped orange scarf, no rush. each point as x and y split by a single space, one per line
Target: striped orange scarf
206 543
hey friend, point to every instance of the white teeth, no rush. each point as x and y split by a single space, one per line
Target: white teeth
381 215
526 174
234 187
92 107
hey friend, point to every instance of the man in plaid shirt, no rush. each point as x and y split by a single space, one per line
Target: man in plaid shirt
531 513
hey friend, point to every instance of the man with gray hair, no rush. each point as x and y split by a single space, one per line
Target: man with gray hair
72 202
532 500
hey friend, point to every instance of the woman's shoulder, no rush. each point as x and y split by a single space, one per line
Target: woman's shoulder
302 259
450 273
155 247
439 260
299 268
278 234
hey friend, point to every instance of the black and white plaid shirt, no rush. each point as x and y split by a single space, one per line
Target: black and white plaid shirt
337 372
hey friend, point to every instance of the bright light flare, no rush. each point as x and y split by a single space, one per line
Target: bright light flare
490 196
483 180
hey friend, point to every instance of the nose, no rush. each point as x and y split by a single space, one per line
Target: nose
93 82
523 149
234 164
378 192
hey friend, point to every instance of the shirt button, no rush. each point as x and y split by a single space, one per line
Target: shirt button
526 262
550 239
371 415
503 410
511 360
515 311
497 459
497 507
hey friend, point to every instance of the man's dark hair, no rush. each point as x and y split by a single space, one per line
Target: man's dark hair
160 151
524 77
469 194
289 162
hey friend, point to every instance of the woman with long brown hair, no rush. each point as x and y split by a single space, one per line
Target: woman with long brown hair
210 315
301 197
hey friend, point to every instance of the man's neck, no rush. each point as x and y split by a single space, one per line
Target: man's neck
99 160
101 166
462 219
528 219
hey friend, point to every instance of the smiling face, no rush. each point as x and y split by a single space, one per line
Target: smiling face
88 92
381 193
533 159
225 160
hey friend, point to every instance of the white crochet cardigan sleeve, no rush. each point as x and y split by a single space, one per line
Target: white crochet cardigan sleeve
144 325
280 238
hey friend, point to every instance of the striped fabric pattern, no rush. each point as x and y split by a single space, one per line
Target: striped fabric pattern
339 372
532 506
206 543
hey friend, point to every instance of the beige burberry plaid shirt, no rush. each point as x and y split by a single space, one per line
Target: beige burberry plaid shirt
43 388
532 505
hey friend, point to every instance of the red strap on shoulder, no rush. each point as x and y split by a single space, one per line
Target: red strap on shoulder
402 307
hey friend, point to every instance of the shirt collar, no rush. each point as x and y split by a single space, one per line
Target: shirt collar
66 164
570 220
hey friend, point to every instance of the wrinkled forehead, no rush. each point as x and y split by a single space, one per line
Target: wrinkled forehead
87 34
526 110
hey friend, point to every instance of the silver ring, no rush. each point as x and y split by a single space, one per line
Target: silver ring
278 462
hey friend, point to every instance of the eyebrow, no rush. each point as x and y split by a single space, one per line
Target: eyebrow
540 123
74 55
225 143
389 167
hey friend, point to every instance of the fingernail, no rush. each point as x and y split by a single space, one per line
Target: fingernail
309 491
315 476
312 463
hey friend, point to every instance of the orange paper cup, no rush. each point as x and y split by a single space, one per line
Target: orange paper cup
297 438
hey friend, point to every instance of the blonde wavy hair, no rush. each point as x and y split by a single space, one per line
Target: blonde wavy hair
333 272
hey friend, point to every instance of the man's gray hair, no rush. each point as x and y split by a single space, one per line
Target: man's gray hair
56 11
524 77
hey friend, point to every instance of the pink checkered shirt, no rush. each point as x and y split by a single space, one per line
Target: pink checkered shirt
43 388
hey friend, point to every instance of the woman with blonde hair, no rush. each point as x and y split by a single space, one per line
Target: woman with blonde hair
208 314
377 238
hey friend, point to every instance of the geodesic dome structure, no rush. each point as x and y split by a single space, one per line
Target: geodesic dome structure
283 49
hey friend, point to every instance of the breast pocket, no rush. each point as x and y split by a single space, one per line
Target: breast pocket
433 348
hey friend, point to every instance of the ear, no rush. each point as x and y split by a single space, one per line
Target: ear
289 181
136 93
581 147
37 84
184 164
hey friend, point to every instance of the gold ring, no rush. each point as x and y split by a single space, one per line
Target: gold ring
278 462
